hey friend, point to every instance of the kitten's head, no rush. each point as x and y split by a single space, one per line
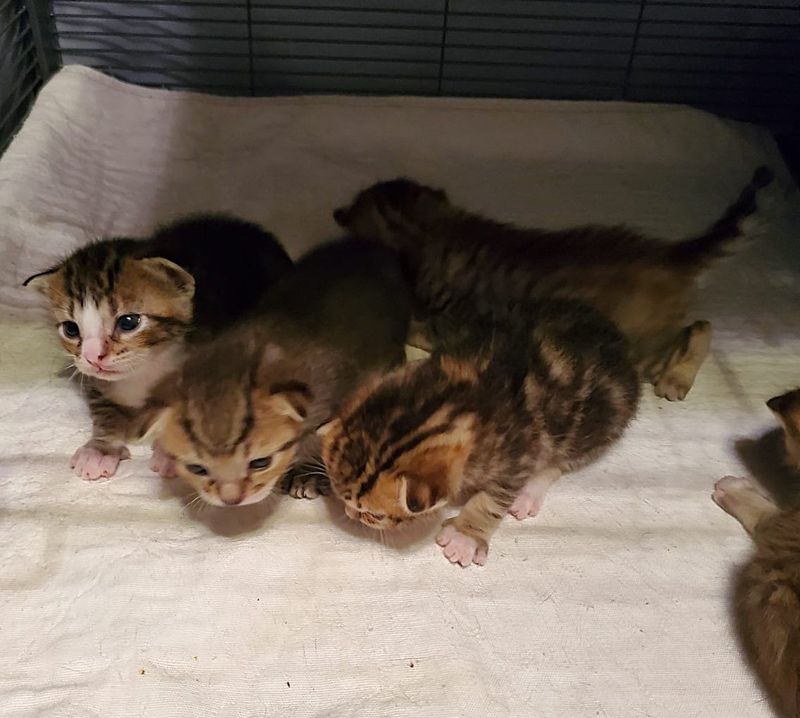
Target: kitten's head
112 310
233 431
787 409
389 211
394 452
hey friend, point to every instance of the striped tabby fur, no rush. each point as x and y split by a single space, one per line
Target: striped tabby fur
124 308
463 264
490 428
246 405
768 589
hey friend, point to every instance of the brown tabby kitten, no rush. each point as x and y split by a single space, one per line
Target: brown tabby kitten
124 308
462 264
768 594
246 405
489 428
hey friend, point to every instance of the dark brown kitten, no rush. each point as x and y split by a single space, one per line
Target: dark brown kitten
488 426
768 592
125 307
463 264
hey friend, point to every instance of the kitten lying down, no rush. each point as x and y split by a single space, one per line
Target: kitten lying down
463 264
489 426
124 310
768 594
245 406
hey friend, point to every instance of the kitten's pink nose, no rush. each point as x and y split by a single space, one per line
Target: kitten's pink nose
231 492
94 350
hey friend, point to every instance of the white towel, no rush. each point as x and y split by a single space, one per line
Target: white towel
614 602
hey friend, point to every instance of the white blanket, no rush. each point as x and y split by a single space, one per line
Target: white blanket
117 601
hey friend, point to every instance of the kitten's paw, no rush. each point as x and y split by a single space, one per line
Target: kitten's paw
526 505
300 486
460 548
92 463
673 386
162 463
733 494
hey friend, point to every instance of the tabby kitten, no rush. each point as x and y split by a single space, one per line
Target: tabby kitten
768 592
490 428
463 264
244 409
125 307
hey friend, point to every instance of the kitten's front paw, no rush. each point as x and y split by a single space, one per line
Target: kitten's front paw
92 463
303 486
460 548
162 463
733 493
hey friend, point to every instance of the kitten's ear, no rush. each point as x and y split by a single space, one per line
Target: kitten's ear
329 427
417 495
169 272
291 399
41 281
342 216
787 408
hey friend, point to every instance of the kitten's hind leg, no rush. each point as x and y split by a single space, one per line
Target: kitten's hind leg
743 500
689 351
530 499
465 538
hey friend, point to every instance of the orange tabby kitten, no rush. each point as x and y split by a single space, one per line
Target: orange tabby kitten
489 426
768 593
245 406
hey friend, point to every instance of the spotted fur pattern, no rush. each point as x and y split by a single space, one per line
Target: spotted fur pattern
463 264
124 309
476 426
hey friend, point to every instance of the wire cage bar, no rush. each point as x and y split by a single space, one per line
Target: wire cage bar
735 57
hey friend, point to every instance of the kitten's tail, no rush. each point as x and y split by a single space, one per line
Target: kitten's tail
697 253
770 617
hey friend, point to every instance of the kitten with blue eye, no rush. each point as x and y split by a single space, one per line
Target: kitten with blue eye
243 411
125 309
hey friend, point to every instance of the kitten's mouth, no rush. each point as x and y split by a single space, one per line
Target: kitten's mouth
367 518
103 373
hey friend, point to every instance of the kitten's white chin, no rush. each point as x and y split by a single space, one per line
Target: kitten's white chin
255 498
103 374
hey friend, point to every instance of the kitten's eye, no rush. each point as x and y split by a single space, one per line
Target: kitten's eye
128 322
197 469
263 463
71 330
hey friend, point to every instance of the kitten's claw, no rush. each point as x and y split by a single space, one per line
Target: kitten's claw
162 463
460 548
91 463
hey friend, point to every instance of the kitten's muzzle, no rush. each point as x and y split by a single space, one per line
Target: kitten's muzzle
232 492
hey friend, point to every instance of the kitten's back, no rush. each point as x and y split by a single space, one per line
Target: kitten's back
348 294
231 260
